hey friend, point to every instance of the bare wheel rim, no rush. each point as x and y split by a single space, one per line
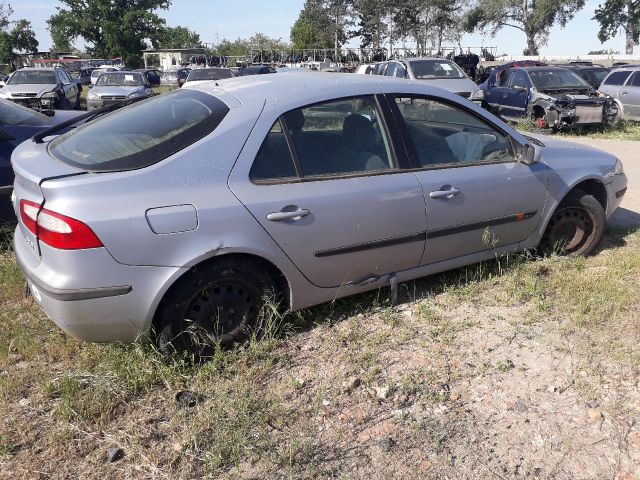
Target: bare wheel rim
221 310
571 230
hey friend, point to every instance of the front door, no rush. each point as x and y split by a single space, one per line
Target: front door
326 185
630 95
478 197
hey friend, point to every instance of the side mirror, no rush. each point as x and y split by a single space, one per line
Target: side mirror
528 155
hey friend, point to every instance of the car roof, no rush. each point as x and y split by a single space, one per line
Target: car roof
48 69
293 88
538 68
627 68
413 59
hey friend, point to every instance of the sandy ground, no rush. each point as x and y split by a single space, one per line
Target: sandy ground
628 215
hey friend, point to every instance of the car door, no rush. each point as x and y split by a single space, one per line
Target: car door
70 88
478 196
517 94
498 93
630 95
325 183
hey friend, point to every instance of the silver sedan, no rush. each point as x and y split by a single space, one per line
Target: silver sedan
303 188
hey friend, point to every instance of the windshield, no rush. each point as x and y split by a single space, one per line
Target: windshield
34 77
119 79
13 114
209 74
550 79
127 140
600 74
426 69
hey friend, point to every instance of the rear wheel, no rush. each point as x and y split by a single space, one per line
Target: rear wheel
219 303
576 226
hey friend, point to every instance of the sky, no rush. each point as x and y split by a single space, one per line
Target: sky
215 20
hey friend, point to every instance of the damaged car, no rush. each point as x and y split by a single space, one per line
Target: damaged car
552 97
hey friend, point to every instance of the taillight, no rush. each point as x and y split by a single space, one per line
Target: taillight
57 230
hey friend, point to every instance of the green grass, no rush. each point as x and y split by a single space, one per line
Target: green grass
263 401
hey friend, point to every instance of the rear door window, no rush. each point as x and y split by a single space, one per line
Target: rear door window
635 80
343 136
127 139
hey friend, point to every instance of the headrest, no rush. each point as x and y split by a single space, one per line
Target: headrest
294 120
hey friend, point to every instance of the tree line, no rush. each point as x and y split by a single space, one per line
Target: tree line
124 28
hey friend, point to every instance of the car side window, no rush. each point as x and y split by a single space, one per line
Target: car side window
518 79
635 80
447 135
617 78
505 78
274 161
338 137
391 69
401 71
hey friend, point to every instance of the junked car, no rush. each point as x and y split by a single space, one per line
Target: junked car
440 72
623 84
113 87
180 228
592 74
552 97
42 88
17 124
95 74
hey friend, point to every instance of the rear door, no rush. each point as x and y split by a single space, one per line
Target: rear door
325 183
478 197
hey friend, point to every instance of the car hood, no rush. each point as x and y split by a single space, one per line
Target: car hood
114 91
454 85
38 89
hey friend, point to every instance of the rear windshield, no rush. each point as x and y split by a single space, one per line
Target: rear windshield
141 134
209 74
14 114
428 69
119 79
34 77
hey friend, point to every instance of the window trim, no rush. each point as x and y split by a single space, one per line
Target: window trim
385 115
412 152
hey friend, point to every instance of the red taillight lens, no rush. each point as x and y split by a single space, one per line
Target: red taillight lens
56 230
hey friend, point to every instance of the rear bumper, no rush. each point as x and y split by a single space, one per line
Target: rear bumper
91 296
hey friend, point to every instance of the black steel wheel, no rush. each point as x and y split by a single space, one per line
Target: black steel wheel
217 304
576 226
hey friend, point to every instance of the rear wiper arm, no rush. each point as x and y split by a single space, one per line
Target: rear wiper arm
39 137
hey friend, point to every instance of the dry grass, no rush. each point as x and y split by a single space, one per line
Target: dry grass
351 389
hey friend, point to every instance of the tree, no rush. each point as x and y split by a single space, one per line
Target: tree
15 36
177 37
533 17
616 15
111 27
313 27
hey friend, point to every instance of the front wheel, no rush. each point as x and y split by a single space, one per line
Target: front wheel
576 226
218 304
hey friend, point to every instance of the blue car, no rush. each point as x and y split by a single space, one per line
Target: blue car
17 124
551 97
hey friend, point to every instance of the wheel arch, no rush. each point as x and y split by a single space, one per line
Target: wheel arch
282 284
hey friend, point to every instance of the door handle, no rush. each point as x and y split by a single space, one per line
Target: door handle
450 193
293 215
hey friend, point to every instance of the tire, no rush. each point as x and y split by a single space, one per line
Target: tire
216 304
576 227
77 106
64 104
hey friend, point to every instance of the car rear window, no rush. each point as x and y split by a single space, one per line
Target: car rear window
141 134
